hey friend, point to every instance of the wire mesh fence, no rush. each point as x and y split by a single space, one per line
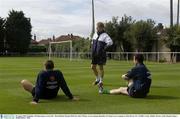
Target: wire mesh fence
123 56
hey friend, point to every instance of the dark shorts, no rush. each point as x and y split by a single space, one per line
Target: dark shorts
98 60
135 94
33 92
43 97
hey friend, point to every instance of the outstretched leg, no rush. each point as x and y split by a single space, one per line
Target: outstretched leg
121 90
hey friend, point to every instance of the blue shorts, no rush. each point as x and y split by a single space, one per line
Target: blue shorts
33 92
134 93
44 96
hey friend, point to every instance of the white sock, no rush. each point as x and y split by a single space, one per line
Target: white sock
97 78
101 79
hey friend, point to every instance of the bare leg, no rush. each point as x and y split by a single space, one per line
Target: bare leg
27 85
93 67
121 90
101 71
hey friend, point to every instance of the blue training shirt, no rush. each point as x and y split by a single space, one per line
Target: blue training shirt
141 77
48 84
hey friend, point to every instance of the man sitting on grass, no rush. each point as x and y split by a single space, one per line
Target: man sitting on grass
139 80
48 83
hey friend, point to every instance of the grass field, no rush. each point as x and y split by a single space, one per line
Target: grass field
164 97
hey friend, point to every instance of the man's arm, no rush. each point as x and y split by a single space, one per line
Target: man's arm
40 83
125 77
64 86
130 75
108 41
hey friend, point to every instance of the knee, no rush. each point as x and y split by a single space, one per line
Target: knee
93 67
123 89
120 89
101 68
23 82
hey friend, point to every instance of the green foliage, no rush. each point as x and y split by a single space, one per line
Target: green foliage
37 49
116 29
2 34
18 33
129 35
81 45
173 41
142 35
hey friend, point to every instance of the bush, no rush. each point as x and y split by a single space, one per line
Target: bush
37 49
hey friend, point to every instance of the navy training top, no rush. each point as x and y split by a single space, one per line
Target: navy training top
48 84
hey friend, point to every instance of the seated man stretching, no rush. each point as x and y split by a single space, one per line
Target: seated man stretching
139 80
48 83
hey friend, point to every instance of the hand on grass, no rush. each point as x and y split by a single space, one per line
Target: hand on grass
75 99
33 103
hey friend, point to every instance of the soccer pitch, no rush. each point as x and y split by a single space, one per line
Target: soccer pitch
164 97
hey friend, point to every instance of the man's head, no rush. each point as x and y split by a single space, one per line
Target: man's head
49 65
100 27
138 58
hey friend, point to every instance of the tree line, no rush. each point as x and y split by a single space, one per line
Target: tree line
128 35
15 33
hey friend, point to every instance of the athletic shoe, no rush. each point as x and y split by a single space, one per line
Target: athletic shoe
100 85
96 82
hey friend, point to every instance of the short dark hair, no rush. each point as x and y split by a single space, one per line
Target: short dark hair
139 58
49 64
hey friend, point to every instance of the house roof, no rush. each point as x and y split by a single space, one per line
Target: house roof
67 37
60 38
44 41
34 42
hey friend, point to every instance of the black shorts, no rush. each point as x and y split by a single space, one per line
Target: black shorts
33 92
44 96
98 60
135 94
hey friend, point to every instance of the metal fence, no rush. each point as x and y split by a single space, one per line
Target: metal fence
124 56
121 56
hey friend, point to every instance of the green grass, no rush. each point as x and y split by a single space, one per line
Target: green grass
164 97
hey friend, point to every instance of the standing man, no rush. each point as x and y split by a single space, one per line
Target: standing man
100 42
48 83
139 80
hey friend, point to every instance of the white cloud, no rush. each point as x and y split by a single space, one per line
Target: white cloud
57 17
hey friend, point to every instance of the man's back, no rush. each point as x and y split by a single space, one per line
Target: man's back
141 78
48 84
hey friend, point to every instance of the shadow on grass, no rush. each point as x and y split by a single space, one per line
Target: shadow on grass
159 87
162 97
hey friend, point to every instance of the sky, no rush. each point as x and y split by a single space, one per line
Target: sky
62 17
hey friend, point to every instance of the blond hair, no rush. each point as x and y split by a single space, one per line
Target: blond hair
100 25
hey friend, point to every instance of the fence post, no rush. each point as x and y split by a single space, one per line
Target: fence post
158 57
127 57
147 58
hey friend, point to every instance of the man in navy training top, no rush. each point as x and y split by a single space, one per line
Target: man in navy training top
48 83
100 42
139 80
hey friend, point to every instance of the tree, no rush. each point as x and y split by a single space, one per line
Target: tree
110 28
142 35
2 35
116 29
18 30
173 40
